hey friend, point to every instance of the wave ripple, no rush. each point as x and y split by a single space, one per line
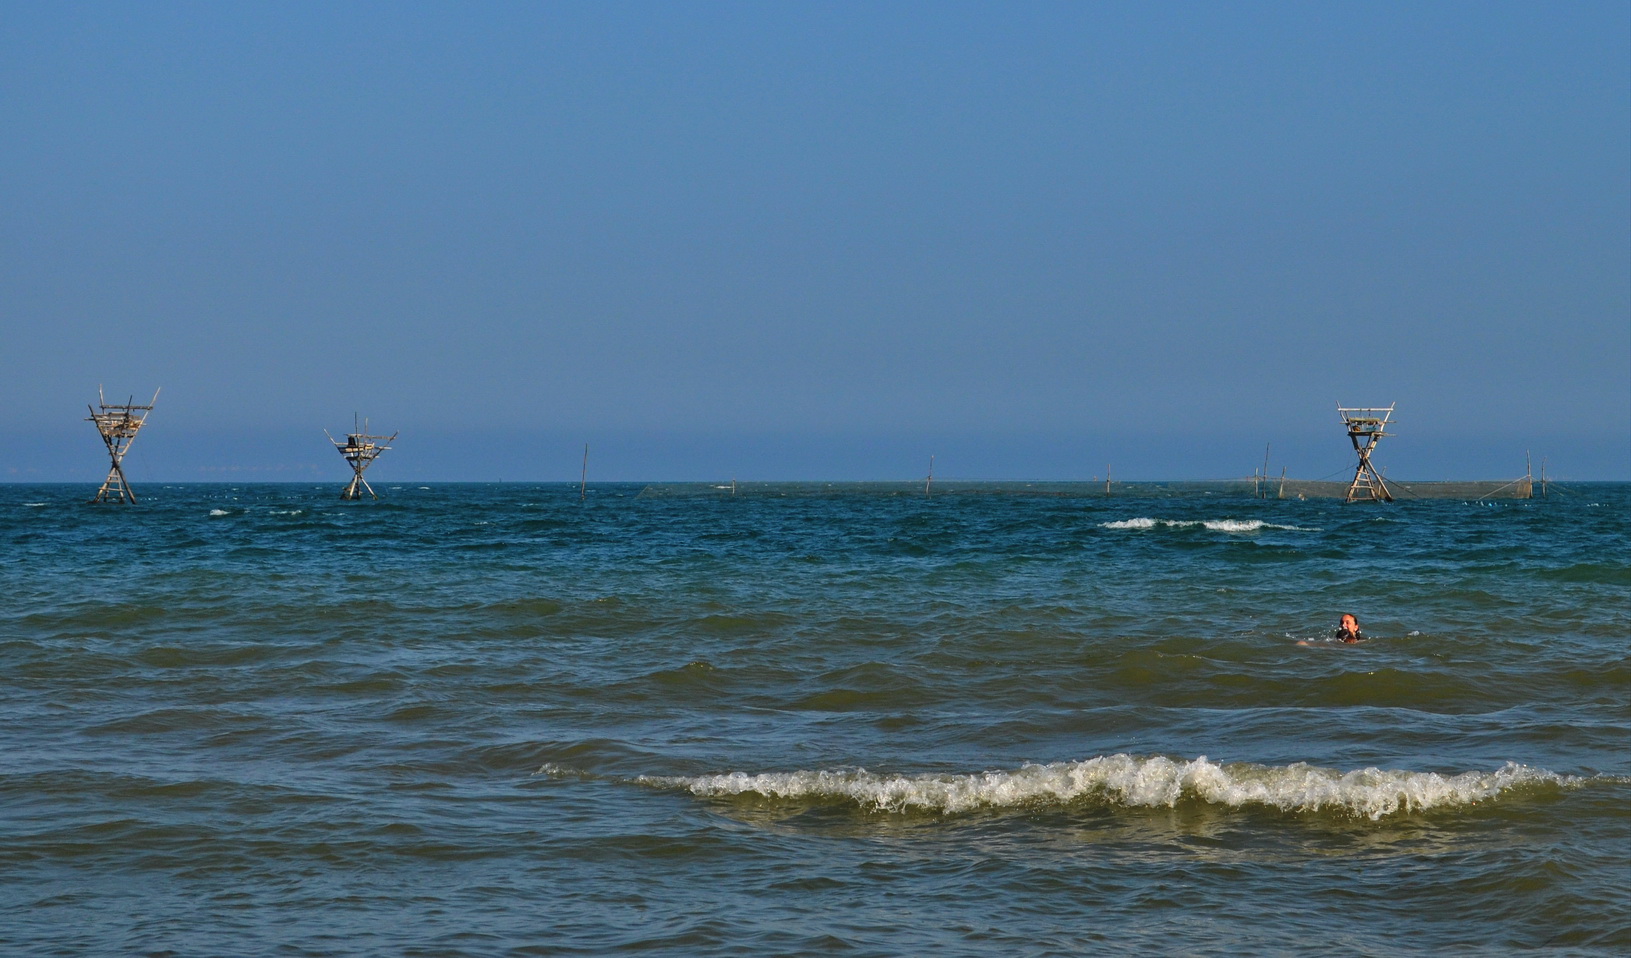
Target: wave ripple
1135 782
1215 525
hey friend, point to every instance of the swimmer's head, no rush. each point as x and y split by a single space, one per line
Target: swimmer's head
1350 623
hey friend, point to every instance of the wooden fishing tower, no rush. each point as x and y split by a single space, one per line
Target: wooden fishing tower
360 450
1366 427
118 426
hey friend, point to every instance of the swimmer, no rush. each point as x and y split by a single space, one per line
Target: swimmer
1348 630
1347 633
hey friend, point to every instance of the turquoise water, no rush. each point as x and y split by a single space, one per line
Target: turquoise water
493 720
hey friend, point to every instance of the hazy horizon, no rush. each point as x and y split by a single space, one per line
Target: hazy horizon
495 456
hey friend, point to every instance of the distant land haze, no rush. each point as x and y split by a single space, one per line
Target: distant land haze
171 453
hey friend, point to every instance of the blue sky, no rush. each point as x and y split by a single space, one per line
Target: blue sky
819 240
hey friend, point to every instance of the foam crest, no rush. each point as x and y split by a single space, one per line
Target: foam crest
1216 525
1139 523
1134 782
219 512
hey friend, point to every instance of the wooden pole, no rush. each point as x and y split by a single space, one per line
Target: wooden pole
929 481
1264 491
583 478
1107 480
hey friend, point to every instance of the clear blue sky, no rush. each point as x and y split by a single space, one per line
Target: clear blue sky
816 240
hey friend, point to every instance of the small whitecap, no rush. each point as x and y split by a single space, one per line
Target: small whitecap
1139 523
219 512
1215 525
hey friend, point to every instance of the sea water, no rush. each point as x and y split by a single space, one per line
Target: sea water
498 720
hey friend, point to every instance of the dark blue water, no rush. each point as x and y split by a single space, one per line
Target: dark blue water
493 720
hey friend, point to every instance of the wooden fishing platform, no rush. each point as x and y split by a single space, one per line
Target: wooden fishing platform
360 450
118 426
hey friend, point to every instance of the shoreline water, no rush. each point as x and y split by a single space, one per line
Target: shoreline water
488 719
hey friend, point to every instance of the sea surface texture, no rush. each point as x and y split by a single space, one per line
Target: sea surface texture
496 720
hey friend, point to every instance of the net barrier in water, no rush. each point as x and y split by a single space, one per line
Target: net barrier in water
1524 488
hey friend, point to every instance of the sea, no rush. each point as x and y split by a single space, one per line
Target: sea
520 719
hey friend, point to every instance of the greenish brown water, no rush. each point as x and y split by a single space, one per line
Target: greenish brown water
493 720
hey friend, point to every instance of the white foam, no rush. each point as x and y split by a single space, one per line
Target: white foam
1136 782
1216 525
34 505
1139 523
219 512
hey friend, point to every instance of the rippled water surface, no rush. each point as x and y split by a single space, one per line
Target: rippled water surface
495 720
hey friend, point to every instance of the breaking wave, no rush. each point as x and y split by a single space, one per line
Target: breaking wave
219 512
1216 525
1135 782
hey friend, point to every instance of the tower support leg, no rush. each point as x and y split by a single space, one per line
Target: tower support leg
1367 484
355 489
114 487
